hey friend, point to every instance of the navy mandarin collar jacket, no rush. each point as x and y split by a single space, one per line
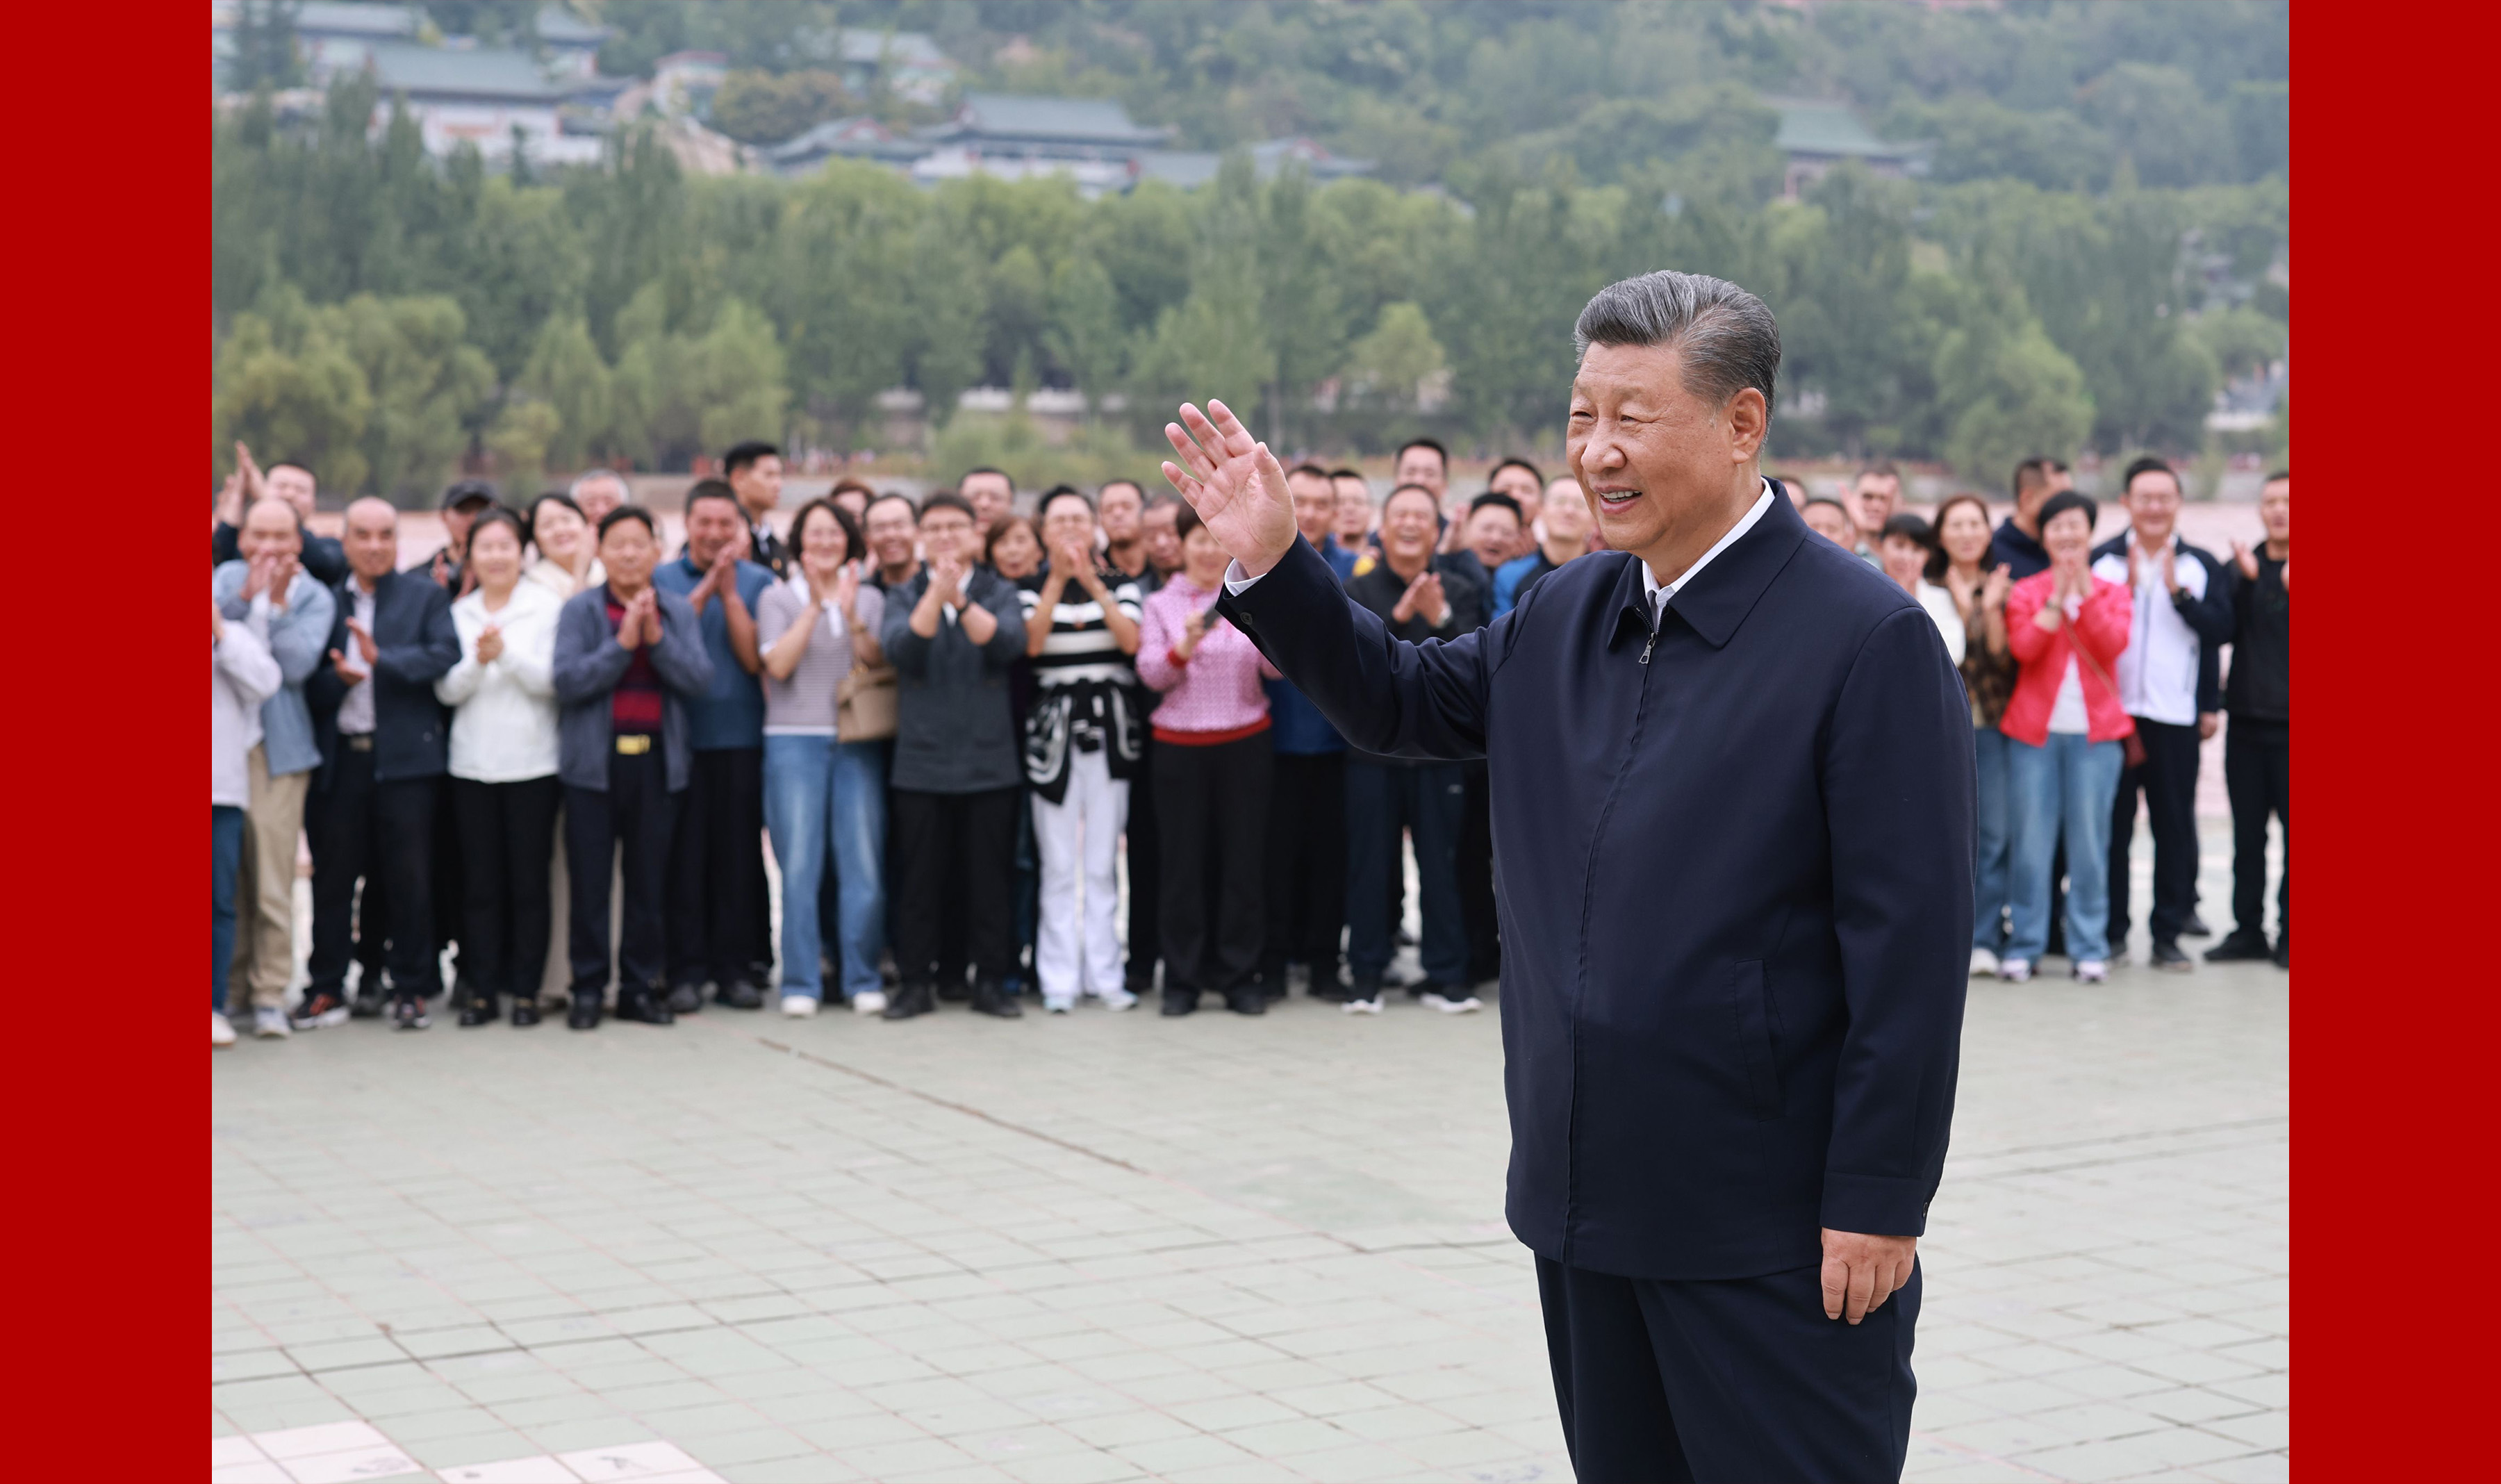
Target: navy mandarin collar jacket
1732 860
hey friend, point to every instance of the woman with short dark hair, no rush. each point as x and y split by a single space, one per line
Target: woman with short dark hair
2064 727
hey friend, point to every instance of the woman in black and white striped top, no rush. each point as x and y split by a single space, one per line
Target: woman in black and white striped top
1082 741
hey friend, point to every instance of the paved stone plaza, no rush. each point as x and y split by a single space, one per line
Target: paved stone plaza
1119 1247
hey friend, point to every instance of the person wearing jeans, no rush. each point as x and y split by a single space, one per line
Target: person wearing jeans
1419 598
2064 728
1968 569
820 794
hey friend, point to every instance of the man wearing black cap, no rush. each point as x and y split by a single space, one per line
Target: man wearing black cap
462 504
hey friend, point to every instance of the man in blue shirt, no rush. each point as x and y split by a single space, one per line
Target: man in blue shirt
718 927
1307 820
2018 542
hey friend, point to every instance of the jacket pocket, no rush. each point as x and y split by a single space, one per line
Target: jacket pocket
1749 1017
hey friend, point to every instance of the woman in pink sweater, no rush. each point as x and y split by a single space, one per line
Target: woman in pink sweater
2064 728
1211 761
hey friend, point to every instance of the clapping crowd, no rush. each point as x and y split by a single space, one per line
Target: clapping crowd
560 759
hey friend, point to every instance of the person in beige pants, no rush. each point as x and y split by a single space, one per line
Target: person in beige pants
268 589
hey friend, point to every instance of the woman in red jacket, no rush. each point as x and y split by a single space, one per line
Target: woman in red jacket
2064 728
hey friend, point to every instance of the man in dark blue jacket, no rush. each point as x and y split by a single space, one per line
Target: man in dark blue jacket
1732 786
383 739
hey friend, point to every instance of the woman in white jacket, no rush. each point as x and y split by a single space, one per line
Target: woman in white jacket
242 674
503 770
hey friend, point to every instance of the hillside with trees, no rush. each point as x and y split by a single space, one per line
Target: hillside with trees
2096 243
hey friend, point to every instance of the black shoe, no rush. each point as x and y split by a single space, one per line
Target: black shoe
2196 927
482 1008
993 998
685 999
1181 1002
369 1006
318 1009
2167 956
954 991
583 1013
2282 953
2240 948
526 1011
907 1001
738 994
1251 1000
409 1015
647 1006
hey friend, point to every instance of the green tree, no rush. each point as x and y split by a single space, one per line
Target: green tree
762 108
565 376
2008 393
264 46
1397 357
680 393
1084 335
519 440
304 399
430 387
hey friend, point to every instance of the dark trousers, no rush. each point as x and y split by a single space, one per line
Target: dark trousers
366 928
1740 1380
1306 864
637 809
2169 778
1384 799
386 832
717 869
1476 878
940 839
226 861
1212 804
2257 773
505 833
1142 841
450 896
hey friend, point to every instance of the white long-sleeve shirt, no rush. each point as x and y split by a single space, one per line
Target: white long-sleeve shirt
242 674
504 717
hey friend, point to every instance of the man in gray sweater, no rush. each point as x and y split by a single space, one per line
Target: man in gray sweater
628 657
953 633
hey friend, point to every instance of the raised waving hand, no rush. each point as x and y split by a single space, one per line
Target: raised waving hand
1234 482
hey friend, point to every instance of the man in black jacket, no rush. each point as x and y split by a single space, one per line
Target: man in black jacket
285 480
2183 614
2258 751
1417 595
383 738
1732 788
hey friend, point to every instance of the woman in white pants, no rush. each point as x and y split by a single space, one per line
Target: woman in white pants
1083 742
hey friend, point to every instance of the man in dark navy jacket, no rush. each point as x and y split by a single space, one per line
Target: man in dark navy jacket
1735 917
384 749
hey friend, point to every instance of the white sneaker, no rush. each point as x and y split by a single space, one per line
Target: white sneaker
1449 1006
798 1006
1369 1006
2092 971
220 1032
1119 1000
869 1003
1982 962
269 1023
2015 970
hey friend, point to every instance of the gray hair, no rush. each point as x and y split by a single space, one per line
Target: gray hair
595 476
1727 335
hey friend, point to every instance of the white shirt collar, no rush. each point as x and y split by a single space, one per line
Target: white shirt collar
1659 593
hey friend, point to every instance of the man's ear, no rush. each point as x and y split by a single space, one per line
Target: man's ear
1750 420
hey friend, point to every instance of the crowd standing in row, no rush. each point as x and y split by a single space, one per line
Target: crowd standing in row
951 721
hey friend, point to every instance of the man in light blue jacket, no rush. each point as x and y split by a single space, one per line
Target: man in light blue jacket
268 590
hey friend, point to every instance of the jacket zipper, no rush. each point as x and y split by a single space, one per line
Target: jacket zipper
1649 643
